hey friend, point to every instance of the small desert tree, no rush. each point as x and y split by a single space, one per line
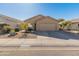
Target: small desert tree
61 19
65 24
23 26
61 23
68 24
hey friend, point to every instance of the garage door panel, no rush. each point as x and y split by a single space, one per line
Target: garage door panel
46 27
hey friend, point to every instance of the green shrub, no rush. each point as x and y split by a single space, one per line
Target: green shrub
17 29
6 28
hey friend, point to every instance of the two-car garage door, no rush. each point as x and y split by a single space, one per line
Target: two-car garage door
46 27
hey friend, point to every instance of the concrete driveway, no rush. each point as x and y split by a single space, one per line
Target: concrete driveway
59 35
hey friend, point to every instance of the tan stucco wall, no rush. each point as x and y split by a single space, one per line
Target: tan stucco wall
47 25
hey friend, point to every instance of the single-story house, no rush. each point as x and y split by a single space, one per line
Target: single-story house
75 24
43 23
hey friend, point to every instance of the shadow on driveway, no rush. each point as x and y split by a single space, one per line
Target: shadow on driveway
59 34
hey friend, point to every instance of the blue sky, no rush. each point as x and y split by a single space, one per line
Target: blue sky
56 10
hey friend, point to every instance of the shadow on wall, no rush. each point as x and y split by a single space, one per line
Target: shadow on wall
59 34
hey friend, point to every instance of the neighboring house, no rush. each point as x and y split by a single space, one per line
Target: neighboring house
43 23
75 24
9 20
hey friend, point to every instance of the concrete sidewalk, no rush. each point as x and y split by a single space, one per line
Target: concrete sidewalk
40 51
